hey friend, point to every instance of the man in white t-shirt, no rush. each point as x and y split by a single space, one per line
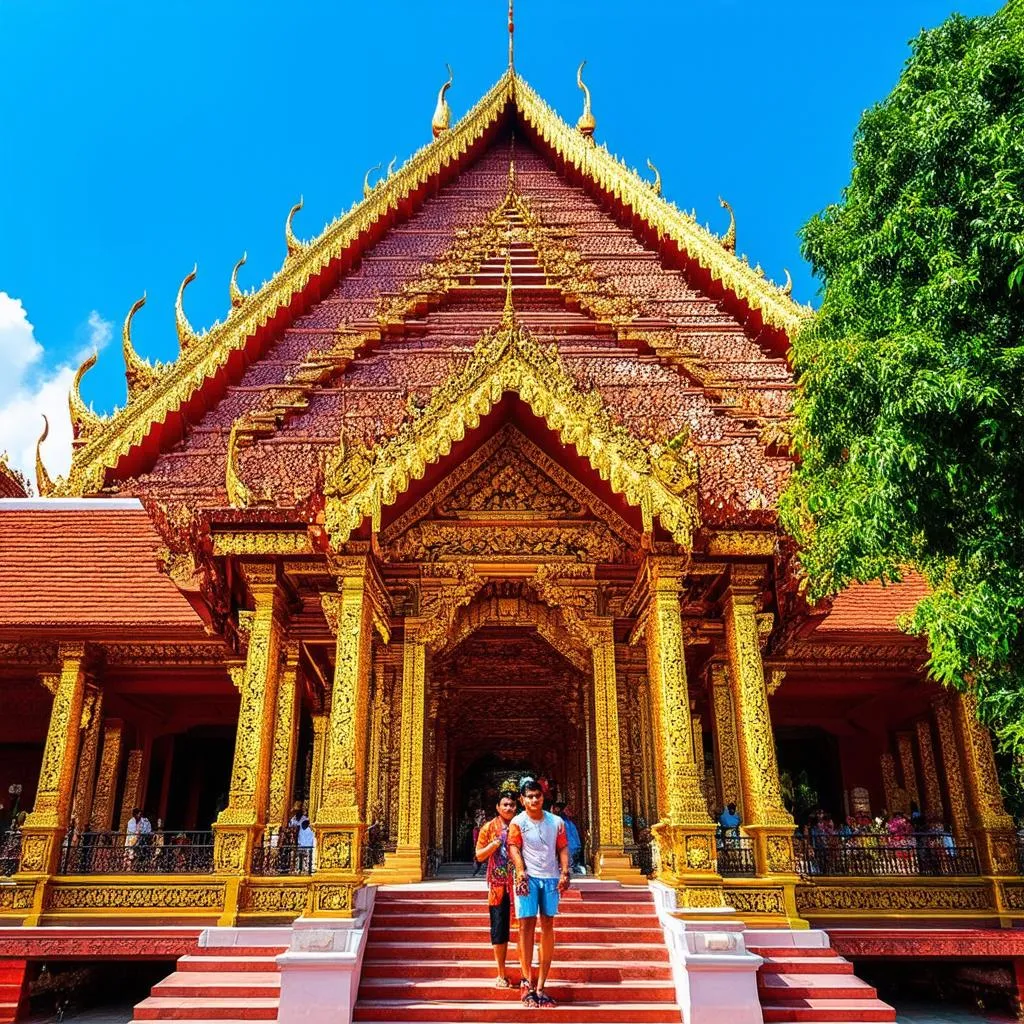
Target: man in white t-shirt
539 849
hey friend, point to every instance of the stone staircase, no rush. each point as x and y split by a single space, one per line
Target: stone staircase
218 983
810 983
428 958
13 990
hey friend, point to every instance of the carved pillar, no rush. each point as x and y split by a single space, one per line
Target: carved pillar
239 825
85 782
609 859
932 792
316 772
895 796
649 771
905 747
765 818
286 728
952 769
993 828
698 754
440 786
406 863
45 826
374 804
726 752
340 826
684 833
133 783
106 781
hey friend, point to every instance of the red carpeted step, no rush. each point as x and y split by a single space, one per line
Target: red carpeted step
822 1011
593 971
467 989
220 984
161 1008
772 986
481 950
808 965
402 1011
563 933
770 952
195 962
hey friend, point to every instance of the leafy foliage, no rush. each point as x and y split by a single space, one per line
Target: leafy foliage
911 405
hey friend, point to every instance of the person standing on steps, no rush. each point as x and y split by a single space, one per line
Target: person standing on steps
539 849
492 847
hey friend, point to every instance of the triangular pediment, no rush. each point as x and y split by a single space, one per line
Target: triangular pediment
512 500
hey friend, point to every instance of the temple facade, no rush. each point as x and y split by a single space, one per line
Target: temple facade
483 481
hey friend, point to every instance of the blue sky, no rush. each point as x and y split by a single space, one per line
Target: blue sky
138 138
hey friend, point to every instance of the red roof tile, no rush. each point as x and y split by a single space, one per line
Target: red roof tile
90 564
871 607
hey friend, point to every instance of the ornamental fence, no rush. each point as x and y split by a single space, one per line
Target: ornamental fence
156 853
921 854
10 851
736 856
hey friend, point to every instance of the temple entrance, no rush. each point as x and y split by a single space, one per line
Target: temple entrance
508 704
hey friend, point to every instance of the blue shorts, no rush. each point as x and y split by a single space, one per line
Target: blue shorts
543 897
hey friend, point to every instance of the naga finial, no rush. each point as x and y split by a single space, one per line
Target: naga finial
236 293
656 184
367 187
729 240
293 244
44 485
586 124
442 119
508 315
186 335
391 166
138 372
787 288
83 419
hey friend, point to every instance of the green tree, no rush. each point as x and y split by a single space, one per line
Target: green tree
910 409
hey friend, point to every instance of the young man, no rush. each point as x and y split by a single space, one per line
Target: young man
539 850
492 847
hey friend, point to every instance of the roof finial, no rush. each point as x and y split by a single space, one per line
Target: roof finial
367 187
729 240
293 244
186 334
391 166
237 295
44 485
787 288
442 114
138 372
656 184
511 35
586 124
83 419
508 316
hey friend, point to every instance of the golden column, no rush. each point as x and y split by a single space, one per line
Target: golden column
765 818
102 819
282 757
134 785
932 794
905 748
45 826
85 780
994 831
727 755
239 825
340 826
407 862
316 772
610 861
684 833
952 770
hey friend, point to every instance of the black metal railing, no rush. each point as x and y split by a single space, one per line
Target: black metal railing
115 853
925 853
282 859
736 857
374 851
641 856
10 851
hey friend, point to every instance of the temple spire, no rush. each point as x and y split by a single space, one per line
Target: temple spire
511 36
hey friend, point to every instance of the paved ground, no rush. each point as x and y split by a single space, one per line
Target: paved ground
101 1015
937 1013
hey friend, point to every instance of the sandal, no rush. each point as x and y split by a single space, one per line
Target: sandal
544 1000
531 999
502 983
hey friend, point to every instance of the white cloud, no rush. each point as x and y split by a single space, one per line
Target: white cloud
31 387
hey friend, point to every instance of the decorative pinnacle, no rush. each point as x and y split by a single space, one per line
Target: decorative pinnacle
729 239
442 119
511 35
44 485
586 124
508 315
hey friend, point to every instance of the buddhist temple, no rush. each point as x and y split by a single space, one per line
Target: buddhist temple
482 482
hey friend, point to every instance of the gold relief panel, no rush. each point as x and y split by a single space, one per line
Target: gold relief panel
698 853
112 896
336 849
274 899
333 898
1013 896
15 898
779 853
756 901
883 898
698 896
229 851
36 848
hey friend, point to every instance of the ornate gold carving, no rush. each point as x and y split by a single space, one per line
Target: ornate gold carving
895 795
274 899
133 783
952 770
726 750
333 898
139 373
933 808
606 738
759 772
699 896
320 722
359 483
106 781
445 591
81 807
881 898
905 747
756 901
442 119
112 896
44 485
84 422
411 742
282 757
187 336
586 124
262 542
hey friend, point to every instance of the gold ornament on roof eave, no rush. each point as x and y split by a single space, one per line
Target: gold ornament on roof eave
127 429
44 485
84 421
586 124
367 187
442 119
139 373
293 245
660 480
235 293
187 336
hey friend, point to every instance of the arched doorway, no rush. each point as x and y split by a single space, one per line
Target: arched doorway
507 703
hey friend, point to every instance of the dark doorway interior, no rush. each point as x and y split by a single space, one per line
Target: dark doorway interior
810 769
